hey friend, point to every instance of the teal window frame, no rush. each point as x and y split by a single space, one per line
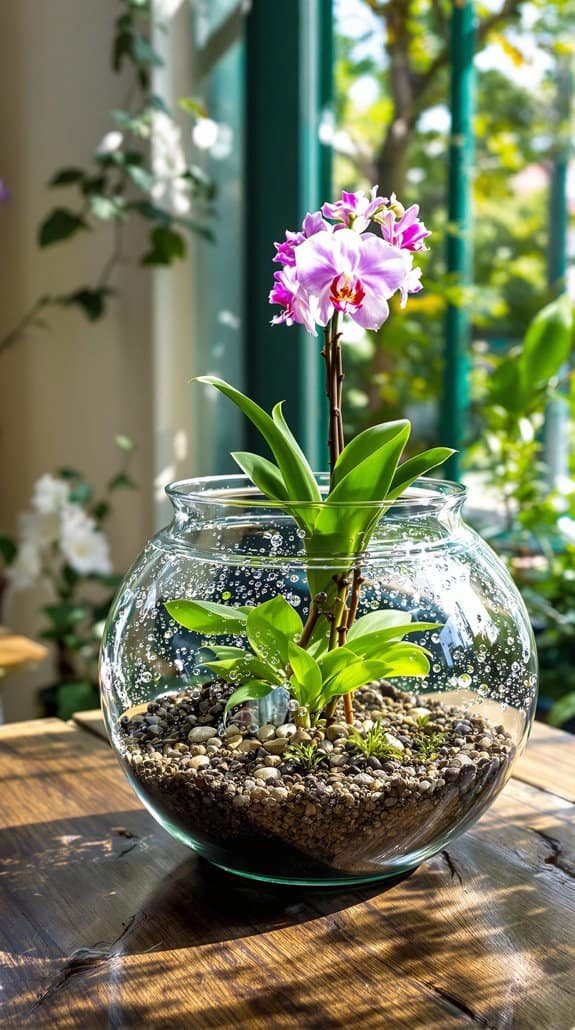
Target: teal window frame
289 62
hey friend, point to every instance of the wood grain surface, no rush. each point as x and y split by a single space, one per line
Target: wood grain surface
108 922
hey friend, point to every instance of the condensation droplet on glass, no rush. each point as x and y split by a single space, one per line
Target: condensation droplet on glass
464 680
293 705
226 594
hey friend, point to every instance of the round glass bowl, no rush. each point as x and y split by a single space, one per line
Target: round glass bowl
238 787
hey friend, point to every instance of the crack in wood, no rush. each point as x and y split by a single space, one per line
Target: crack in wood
461 1007
85 961
455 874
557 856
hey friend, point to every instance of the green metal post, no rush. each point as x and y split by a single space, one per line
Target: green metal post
557 414
289 47
459 240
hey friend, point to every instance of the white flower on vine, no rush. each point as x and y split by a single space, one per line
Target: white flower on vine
83 545
39 529
166 9
50 494
109 143
169 163
26 569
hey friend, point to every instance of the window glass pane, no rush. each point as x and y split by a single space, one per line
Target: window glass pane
217 266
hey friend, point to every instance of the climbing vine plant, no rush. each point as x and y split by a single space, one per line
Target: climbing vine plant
124 180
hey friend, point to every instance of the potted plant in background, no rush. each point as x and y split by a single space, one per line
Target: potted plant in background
260 663
62 546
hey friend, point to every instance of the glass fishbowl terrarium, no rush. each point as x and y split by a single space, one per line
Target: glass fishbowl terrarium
257 788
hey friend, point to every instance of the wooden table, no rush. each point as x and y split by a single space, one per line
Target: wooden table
17 652
107 922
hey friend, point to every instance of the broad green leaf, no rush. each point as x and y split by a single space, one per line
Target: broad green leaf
548 341
245 667
221 651
332 662
297 475
373 621
270 628
306 674
60 225
279 419
417 466
252 691
347 511
506 386
207 617
366 444
371 478
406 660
377 645
263 474
352 676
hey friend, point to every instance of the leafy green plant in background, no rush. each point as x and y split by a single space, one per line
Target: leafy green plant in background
62 548
124 181
535 535
392 125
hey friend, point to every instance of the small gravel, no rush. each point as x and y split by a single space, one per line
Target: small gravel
240 787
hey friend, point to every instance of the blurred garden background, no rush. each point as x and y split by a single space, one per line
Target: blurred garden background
151 152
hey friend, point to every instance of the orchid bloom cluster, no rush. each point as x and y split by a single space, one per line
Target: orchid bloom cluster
57 530
338 263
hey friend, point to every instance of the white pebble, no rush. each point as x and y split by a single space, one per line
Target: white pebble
267 731
393 741
200 734
199 761
287 730
267 773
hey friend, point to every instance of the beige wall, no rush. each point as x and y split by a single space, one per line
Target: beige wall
64 393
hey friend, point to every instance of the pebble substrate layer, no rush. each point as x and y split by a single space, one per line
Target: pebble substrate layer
229 787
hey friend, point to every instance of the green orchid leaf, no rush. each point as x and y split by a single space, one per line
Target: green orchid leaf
334 661
371 478
417 466
221 652
279 420
307 679
246 667
207 617
271 627
406 660
252 691
377 645
296 472
352 676
374 621
366 444
263 474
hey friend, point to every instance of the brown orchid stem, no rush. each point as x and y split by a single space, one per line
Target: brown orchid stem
334 389
314 613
